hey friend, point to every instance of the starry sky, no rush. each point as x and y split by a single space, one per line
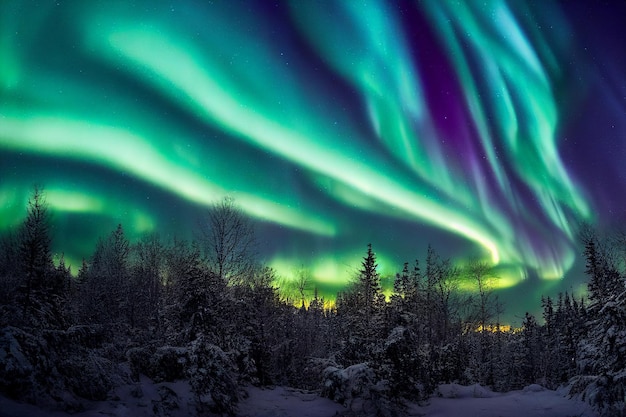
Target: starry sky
488 129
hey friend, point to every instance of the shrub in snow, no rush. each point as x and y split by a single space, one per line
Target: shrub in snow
533 388
166 363
90 376
239 350
315 371
28 369
606 393
357 388
47 368
139 361
343 385
463 391
88 336
212 377
167 403
16 371
402 365
78 364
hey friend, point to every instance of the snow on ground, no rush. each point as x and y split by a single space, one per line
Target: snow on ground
175 399
145 399
477 401
286 402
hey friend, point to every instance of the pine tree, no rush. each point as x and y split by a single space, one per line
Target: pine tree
531 347
190 290
266 320
413 288
570 327
429 292
370 291
9 279
399 300
105 287
401 284
550 333
41 291
88 302
360 314
605 282
67 287
604 352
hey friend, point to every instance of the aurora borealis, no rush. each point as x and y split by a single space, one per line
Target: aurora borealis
487 129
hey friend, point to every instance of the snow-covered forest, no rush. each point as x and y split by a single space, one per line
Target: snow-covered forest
206 313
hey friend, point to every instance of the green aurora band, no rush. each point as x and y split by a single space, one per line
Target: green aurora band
327 121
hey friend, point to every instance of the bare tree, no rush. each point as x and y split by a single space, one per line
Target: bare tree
486 306
447 296
147 270
441 295
302 283
485 310
229 242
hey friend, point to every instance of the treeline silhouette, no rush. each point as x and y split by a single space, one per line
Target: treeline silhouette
207 312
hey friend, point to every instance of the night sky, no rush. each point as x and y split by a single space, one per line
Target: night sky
488 129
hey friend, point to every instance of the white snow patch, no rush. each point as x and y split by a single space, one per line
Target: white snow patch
462 391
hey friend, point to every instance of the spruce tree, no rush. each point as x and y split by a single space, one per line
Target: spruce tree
10 279
369 290
550 333
531 347
605 281
400 298
41 289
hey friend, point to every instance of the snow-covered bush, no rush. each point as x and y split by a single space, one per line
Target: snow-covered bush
463 391
402 365
47 368
139 361
343 385
165 363
168 363
90 376
88 336
168 402
16 370
607 394
239 352
315 371
357 388
212 377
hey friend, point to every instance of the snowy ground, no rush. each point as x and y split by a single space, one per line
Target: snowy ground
174 399
476 401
